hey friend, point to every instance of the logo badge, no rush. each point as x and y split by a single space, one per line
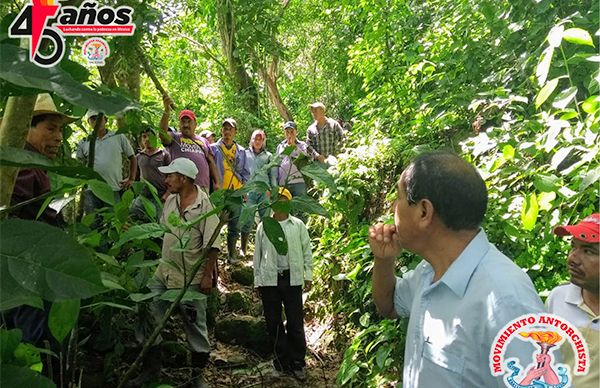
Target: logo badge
95 51
546 333
89 19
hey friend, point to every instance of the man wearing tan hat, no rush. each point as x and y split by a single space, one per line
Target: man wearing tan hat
325 135
44 137
579 300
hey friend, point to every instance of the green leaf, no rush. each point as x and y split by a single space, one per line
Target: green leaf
28 355
46 262
319 174
541 72
275 234
190 295
382 355
578 36
308 205
137 297
545 92
110 281
16 68
546 183
564 98
16 157
591 177
248 213
508 152
103 191
62 318
110 260
20 376
529 212
283 206
590 105
364 319
142 232
545 200
9 340
555 35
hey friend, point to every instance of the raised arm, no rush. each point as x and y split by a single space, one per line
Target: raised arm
386 248
165 136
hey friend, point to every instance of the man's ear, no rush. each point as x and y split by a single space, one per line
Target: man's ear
425 212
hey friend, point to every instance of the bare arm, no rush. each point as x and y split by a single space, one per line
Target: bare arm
385 246
214 173
165 136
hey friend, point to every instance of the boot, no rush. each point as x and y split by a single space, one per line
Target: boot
244 244
151 366
231 253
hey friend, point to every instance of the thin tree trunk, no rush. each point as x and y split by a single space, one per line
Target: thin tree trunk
13 133
270 79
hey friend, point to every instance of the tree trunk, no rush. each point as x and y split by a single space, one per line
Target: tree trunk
13 133
242 82
270 79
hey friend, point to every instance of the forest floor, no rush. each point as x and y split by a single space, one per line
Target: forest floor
230 364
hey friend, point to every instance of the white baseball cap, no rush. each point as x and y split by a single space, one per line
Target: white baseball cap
91 113
182 166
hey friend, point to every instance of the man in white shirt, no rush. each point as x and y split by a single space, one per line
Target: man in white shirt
579 300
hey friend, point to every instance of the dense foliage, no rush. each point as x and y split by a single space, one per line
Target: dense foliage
513 87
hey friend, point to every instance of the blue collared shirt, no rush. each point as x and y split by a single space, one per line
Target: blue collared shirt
454 321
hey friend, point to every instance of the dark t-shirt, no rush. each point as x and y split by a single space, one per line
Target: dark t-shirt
149 164
182 147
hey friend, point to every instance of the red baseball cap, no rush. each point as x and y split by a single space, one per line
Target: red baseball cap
187 113
587 230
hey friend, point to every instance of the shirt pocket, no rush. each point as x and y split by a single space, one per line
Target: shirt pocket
447 366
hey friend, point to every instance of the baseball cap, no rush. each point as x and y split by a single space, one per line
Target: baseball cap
230 121
587 230
285 193
315 105
187 113
182 166
289 124
91 113
207 133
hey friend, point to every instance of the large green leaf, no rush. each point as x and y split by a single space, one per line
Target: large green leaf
9 340
20 376
308 205
529 212
545 92
275 234
46 262
541 72
16 157
578 36
103 191
142 232
62 317
319 174
564 98
16 68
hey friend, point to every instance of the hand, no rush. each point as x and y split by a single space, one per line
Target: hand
216 186
268 194
205 284
533 373
321 158
307 285
126 183
384 241
167 103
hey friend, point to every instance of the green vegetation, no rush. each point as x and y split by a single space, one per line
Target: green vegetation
513 87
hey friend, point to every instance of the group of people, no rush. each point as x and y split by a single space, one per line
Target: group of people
457 299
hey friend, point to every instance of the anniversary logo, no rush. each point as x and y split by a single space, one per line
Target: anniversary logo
547 333
49 19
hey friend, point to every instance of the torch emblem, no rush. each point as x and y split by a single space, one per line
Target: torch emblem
540 374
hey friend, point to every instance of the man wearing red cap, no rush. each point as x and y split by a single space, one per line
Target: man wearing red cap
579 301
185 144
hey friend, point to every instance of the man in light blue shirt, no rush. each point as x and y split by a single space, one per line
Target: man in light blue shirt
463 292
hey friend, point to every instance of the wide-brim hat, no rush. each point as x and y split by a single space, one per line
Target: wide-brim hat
44 105
587 230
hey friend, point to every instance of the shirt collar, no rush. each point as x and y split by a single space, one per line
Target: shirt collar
573 295
459 273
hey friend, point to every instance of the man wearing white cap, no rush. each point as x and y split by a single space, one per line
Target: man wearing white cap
108 162
579 300
188 202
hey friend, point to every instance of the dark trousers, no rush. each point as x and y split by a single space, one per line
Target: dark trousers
288 340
